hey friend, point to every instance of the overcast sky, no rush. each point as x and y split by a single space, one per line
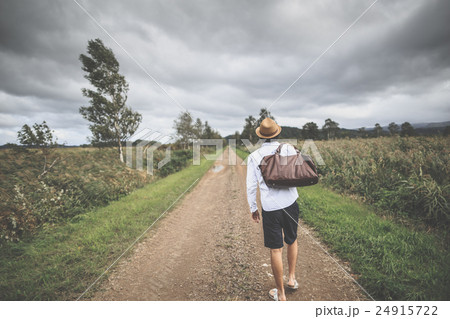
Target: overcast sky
224 60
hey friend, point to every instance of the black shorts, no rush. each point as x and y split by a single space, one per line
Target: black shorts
277 222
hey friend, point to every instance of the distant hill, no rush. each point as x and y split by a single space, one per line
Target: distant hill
290 132
431 125
434 125
434 128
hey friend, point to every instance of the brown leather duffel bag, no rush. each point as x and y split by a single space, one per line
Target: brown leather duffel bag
288 171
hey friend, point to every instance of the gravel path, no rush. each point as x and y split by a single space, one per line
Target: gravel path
208 248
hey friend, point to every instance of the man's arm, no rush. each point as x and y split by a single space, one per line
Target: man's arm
252 184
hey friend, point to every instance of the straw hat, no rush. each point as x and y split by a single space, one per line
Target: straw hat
268 129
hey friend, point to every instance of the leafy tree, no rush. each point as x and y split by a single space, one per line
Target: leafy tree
198 128
187 129
111 120
362 131
310 131
378 130
209 132
40 135
184 128
236 135
263 113
393 128
249 129
330 128
407 129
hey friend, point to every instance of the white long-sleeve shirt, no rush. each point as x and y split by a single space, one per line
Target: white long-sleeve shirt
271 198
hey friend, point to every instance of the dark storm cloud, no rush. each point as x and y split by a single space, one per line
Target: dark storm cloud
223 60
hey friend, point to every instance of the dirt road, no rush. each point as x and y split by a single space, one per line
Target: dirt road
208 248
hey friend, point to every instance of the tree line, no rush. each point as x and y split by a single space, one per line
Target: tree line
329 130
188 130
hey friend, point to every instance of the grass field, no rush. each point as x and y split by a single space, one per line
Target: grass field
392 261
60 262
80 179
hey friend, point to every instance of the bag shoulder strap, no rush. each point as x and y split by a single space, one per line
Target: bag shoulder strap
279 148
281 145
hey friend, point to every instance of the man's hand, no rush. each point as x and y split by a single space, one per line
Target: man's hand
255 216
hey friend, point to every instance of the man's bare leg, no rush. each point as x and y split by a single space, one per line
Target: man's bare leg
277 267
292 252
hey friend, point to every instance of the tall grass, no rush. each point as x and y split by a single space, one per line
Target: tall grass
406 176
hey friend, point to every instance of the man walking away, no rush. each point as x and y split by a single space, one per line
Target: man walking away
279 208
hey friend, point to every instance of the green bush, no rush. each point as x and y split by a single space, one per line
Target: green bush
179 160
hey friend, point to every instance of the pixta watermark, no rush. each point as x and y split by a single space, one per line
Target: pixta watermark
142 147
